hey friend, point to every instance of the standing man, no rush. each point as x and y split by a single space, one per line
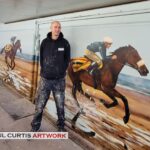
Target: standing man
54 60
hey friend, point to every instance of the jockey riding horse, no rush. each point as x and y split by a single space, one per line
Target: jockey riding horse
96 61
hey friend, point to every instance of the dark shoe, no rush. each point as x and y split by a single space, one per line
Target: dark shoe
92 67
94 79
92 71
62 130
34 130
95 83
35 127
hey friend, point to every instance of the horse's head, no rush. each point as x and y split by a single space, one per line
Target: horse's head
134 60
129 56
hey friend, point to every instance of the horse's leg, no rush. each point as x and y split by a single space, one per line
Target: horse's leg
74 90
75 118
8 55
6 62
125 101
12 64
110 94
84 93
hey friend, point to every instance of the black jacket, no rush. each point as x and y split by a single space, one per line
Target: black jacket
54 57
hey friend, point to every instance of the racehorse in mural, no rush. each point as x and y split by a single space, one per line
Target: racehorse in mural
10 52
106 78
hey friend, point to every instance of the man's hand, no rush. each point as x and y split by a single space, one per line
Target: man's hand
114 57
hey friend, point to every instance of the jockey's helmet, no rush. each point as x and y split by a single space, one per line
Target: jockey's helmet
108 39
13 38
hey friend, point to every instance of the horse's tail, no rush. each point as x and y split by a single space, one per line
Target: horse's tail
74 76
71 72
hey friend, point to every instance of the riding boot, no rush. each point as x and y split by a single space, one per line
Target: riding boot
91 67
92 71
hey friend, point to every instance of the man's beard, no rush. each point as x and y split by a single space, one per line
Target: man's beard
57 34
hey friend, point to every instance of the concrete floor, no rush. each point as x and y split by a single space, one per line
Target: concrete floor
14 111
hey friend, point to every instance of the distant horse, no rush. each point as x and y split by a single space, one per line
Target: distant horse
11 53
107 77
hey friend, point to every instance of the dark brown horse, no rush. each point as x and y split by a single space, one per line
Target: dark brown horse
107 78
11 54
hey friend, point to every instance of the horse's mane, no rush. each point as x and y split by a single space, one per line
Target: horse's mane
119 51
122 48
17 41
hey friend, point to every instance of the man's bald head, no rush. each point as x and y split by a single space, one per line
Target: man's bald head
55 29
55 22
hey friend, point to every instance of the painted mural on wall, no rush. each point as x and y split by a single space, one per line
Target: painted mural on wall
124 126
116 114
17 67
10 51
110 116
107 76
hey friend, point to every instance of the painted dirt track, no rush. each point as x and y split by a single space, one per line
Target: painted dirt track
22 77
111 132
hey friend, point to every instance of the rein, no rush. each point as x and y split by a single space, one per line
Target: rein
126 64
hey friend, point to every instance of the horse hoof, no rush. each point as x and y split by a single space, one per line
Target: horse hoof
102 101
73 126
83 112
91 133
125 119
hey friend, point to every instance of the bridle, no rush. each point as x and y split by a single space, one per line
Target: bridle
128 55
139 63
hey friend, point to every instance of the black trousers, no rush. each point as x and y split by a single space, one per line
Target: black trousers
57 87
